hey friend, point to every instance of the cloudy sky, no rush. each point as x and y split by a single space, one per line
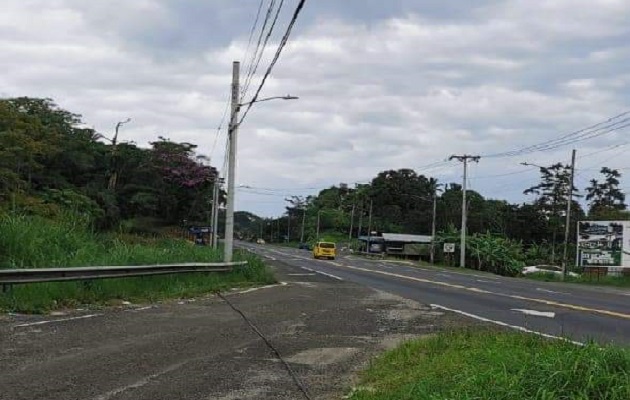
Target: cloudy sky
382 84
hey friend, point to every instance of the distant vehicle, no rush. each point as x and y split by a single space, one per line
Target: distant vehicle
304 246
325 249
260 241
547 269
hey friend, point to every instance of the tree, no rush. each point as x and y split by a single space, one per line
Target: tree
605 198
553 194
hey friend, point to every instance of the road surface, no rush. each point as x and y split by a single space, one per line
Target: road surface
576 312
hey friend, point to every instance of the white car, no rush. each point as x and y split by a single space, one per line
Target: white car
260 241
547 269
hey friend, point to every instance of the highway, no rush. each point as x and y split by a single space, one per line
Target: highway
573 312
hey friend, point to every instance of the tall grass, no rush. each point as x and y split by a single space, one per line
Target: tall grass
32 242
488 364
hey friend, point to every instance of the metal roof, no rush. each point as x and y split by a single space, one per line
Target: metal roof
403 237
398 237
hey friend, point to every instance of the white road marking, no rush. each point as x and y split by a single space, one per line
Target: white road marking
142 382
322 273
259 288
535 313
483 281
57 320
550 291
141 308
309 274
500 323
444 275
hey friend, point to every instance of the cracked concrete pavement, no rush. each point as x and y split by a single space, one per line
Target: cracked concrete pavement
324 328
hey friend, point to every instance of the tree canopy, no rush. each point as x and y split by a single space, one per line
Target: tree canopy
49 163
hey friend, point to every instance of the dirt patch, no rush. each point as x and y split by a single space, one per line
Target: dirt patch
323 356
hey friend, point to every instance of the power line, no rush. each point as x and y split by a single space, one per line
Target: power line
259 41
283 42
251 32
250 76
589 132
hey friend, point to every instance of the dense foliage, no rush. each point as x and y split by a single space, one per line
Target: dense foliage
503 236
50 164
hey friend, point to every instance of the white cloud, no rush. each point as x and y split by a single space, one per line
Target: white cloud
402 90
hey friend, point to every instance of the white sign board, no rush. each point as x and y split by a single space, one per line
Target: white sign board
449 247
604 244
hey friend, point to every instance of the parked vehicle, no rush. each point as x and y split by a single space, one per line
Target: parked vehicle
260 241
546 269
325 249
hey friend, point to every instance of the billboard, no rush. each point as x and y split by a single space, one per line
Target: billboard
604 244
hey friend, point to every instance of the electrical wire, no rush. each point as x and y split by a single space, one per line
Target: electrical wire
254 25
590 132
262 50
292 373
259 41
283 43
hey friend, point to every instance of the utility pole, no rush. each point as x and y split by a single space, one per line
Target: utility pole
462 251
318 214
303 221
568 223
232 135
360 221
215 206
351 222
433 226
288 226
215 212
370 227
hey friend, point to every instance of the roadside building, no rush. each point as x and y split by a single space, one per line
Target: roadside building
397 244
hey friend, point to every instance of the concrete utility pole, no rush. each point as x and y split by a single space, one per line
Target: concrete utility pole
318 214
360 221
215 212
370 227
232 136
567 228
433 226
303 221
288 226
462 251
351 222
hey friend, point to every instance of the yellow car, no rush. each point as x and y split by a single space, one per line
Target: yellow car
324 249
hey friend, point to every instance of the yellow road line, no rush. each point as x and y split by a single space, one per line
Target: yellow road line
477 290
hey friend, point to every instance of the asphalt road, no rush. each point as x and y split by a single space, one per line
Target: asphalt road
576 312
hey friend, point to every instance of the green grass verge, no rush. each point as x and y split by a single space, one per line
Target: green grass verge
28 242
488 364
621 281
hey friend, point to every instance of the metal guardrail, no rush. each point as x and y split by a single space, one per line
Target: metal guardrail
38 275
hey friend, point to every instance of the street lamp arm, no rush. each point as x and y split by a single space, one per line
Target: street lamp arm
287 97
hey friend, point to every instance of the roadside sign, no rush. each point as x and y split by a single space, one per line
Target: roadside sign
449 247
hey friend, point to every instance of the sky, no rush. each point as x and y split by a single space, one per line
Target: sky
381 84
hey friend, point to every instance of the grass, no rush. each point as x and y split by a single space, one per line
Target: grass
31 242
614 281
488 364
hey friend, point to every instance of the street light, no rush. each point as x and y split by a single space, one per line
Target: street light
232 138
287 97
